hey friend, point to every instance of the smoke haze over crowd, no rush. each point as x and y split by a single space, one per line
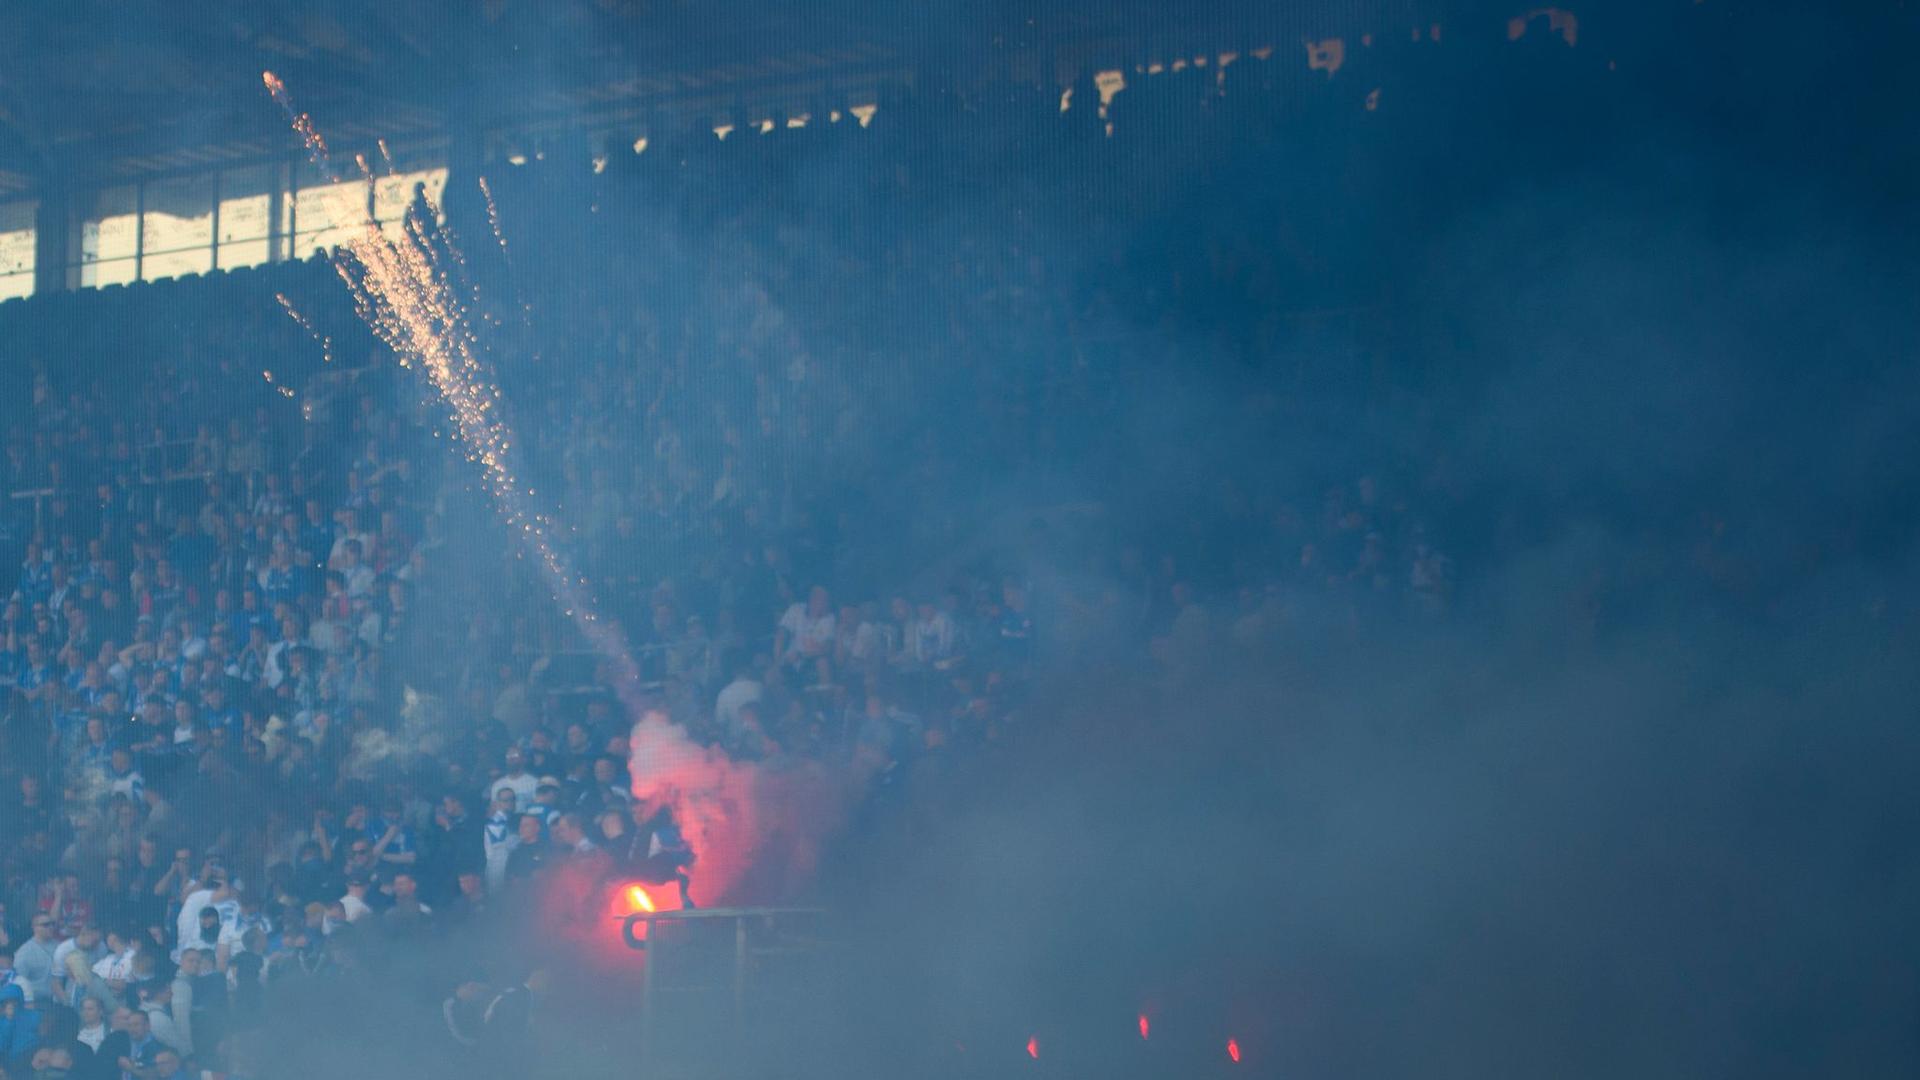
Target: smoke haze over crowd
1396 565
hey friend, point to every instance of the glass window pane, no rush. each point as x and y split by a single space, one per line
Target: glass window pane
107 272
324 239
16 249
392 195
177 217
235 254
246 206
244 218
326 214
110 230
157 266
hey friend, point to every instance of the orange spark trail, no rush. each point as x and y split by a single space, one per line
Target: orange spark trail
303 124
405 290
326 343
493 219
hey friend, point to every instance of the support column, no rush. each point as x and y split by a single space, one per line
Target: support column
53 237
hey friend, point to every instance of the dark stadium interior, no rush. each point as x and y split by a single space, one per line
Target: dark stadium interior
627 538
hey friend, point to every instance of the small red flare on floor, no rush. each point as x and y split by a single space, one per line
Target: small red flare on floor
1233 1049
1033 1047
1143 1025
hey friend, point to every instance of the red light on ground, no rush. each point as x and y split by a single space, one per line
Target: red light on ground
1033 1047
1233 1050
1143 1025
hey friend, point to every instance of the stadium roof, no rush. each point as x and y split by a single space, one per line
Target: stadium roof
95 90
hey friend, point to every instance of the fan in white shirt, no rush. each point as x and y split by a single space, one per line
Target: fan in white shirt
806 630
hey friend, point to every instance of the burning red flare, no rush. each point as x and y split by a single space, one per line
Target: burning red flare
1143 1025
1033 1047
1233 1050
631 898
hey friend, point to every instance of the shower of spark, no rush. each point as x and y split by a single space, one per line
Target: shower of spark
406 289
302 123
493 219
326 342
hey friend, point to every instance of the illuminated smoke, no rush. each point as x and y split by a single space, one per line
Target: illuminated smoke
422 733
755 830
711 796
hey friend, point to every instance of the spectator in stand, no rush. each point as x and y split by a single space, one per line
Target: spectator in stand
81 951
156 1004
19 1028
89 1038
66 902
206 907
804 639
168 1064
532 851
33 960
517 780
354 902
570 835
407 916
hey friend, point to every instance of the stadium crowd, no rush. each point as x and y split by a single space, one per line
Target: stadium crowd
278 689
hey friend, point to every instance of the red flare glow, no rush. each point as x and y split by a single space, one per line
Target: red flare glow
1143 1025
628 899
1033 1047
1233 1050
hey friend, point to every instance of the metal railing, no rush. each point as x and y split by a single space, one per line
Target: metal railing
697 956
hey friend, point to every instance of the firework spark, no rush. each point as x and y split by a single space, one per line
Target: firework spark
407 289
493 219
302 123
326 342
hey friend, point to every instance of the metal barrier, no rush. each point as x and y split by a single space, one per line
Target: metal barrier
705 968
39 497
